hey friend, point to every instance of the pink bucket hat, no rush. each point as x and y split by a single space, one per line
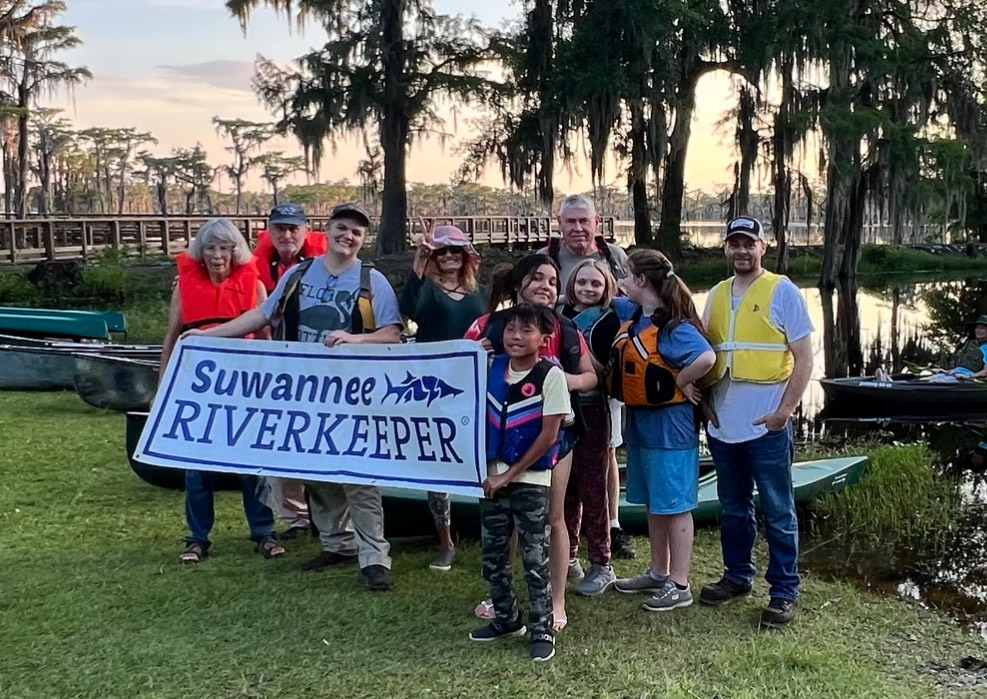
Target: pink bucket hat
451 236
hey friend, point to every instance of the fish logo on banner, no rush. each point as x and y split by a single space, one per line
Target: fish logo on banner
425 388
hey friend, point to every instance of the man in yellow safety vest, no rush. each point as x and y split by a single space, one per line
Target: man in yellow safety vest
759 325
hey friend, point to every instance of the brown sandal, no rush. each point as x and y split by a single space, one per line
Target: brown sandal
193 554
268 547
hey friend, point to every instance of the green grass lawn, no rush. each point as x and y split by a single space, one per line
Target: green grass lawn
93 603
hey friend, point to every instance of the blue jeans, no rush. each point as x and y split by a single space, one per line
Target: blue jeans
767 462
200 515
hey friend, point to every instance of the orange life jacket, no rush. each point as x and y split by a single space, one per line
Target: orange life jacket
205 304
269 266
637 374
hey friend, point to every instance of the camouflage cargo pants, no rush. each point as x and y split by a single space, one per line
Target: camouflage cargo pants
524 507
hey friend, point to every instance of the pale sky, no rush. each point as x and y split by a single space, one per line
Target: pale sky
169 66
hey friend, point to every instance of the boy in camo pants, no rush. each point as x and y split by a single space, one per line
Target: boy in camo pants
527 401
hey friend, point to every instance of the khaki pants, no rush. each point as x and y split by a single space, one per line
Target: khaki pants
350 520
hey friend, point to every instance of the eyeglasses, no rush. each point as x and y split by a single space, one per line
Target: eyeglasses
446 251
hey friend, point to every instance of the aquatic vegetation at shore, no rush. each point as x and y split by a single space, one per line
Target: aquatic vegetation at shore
901 508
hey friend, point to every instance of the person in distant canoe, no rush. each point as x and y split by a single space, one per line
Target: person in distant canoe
286 243
971 361
217 281
443 298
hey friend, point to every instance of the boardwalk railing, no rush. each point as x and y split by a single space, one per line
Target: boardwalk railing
32 240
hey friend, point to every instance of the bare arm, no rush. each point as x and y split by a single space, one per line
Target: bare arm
250 322
265 332
586 379
797 383
388 335
174 329
687 378
698 369
802 351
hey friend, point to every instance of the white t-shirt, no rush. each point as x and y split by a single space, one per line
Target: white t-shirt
739 403
555 397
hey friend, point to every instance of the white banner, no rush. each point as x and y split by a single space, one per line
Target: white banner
408 416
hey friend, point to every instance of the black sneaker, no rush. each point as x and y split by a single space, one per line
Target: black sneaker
542 647
778 614
620 544
723 591
495 630
328 559
376 578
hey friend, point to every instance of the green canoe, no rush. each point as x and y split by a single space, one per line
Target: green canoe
115 322
42 324
406 511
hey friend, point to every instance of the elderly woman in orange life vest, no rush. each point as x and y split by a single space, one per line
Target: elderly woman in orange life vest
443 298
217 281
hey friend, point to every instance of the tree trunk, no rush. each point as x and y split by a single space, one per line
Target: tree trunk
23 101
391 235
274 192
673 189
162 191
8 181
637 177
237 182
840 167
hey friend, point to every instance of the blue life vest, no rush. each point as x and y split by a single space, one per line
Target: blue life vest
514 414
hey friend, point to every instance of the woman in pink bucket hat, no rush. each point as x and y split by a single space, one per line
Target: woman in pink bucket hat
443 298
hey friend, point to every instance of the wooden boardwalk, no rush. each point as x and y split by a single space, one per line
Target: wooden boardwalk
36 239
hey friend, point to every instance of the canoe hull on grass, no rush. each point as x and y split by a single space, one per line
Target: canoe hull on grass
115 383
170 478
37 365
406 512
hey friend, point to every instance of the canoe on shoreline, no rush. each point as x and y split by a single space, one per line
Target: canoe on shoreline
115 383
406 512
114 320
39 365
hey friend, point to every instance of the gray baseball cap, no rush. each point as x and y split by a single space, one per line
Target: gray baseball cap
353 210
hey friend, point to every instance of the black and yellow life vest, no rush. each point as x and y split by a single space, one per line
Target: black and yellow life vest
636 373
288 308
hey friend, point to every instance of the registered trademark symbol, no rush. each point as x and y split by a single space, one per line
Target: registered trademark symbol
466 421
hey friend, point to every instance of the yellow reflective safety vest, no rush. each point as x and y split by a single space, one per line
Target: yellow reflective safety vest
746 343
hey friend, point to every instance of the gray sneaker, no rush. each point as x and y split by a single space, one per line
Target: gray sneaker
443 560
669 598
598 581
644 582
575 573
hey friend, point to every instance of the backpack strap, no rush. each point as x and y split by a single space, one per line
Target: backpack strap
570 350
555 248
363 314
604 250
288 308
